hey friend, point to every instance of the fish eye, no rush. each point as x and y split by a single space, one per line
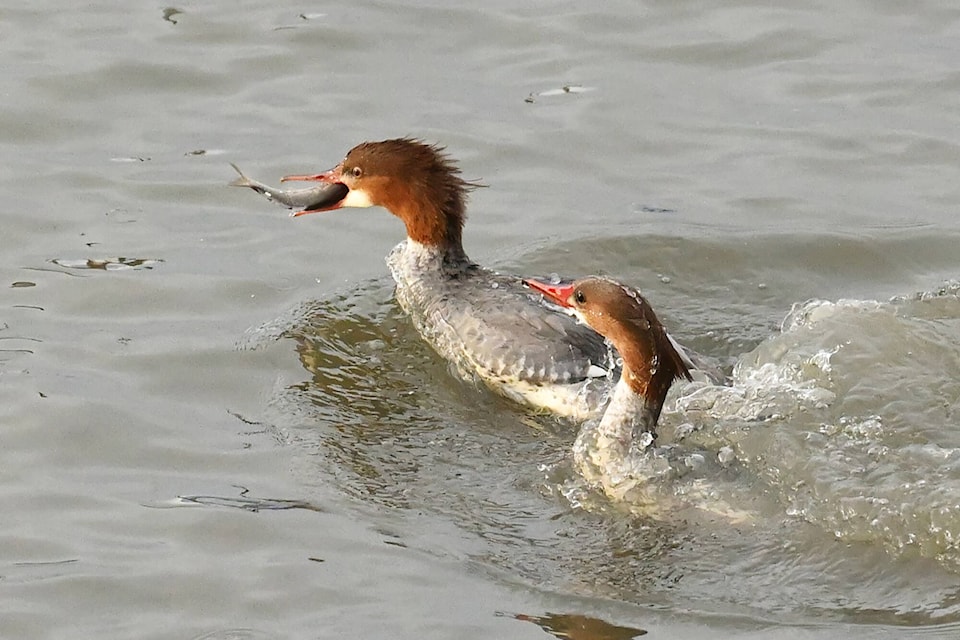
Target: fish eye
579 297
357 172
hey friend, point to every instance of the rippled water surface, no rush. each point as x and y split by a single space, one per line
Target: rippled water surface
217 423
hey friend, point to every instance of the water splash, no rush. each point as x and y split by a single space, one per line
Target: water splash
847 416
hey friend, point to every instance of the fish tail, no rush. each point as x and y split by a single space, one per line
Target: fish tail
243 180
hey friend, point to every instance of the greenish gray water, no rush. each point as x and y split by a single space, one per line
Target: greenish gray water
217 424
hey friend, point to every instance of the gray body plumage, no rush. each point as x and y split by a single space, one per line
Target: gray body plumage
493 328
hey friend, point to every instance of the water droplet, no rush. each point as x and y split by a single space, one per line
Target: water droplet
554 279
495 285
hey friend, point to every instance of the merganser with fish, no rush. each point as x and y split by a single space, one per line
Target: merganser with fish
488 325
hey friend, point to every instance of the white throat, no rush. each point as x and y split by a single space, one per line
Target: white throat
357 198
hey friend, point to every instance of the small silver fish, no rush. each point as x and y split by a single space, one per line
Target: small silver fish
312 199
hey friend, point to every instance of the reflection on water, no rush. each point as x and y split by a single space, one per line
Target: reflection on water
244 502
835 437
237 634
579 627
108 264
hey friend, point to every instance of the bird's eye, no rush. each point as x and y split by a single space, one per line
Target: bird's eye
357 172
579 297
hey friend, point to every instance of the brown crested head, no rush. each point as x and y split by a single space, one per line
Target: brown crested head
619 313
414 180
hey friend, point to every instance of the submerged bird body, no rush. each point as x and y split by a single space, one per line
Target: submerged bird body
651 363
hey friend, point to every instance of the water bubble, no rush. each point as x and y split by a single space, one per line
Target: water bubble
683 430
694 461
554 278
725 456
645 440
495 285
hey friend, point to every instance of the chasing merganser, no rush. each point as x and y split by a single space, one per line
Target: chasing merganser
651 362
488 325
